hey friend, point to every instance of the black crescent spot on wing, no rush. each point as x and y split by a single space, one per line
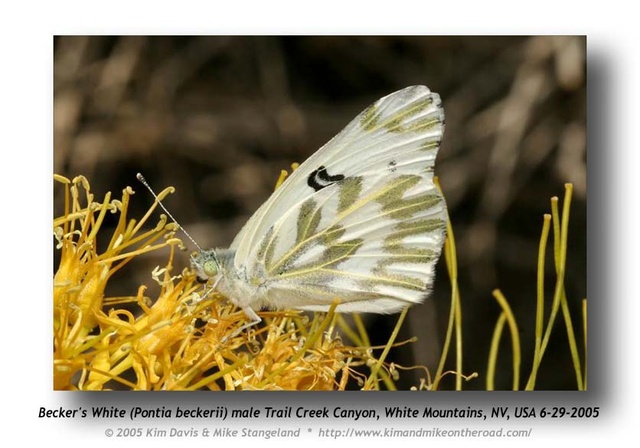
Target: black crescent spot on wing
319 178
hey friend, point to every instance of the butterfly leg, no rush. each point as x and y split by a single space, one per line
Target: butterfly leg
255 319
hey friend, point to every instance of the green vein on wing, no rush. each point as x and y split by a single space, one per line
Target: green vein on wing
394 207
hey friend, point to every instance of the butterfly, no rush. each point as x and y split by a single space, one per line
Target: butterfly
360 221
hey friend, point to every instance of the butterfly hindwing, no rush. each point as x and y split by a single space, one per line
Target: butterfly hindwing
360 221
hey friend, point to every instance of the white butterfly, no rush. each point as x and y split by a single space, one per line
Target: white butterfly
360 221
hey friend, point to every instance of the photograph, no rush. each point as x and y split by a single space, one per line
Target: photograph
320 213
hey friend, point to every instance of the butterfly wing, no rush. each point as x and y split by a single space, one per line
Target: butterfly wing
360 221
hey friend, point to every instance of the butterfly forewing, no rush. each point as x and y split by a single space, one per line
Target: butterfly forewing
360 221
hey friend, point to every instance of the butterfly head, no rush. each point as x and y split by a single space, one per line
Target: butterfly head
216 265
205 264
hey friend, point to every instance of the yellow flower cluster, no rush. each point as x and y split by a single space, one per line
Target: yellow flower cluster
187 339
183 339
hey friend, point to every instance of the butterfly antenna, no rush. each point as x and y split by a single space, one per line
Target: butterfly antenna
144 182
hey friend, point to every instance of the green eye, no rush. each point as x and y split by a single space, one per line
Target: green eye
210 268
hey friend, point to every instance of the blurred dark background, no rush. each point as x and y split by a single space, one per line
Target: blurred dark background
219 117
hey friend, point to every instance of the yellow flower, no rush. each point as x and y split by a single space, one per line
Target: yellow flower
179 340
186 338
